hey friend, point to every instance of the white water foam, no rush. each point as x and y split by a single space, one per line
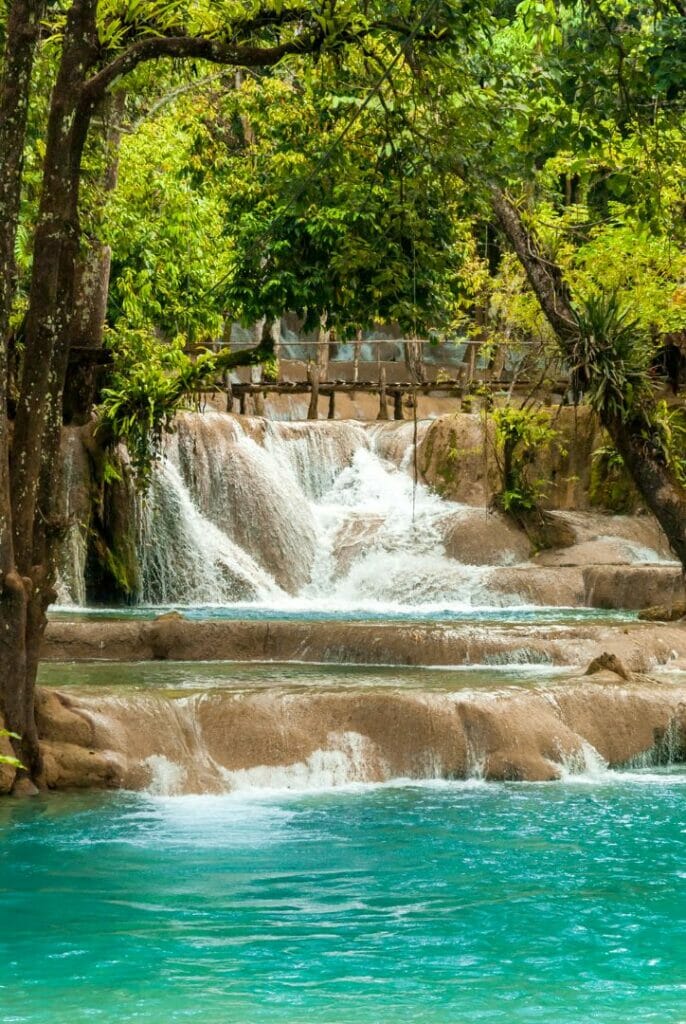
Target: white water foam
584 765
303 517
347 760
167 777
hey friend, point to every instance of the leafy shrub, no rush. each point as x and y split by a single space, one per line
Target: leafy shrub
613 356
521 435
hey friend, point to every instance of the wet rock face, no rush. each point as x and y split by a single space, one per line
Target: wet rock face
633 586
641 646
71 758
456 458
480 537
664 612
220 741
607 662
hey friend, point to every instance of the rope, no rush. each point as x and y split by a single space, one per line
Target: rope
414 443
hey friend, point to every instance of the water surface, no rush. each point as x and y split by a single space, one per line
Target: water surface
497 904
184 676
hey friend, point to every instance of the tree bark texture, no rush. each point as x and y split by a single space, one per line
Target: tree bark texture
644 461
16 701
85 370
414 361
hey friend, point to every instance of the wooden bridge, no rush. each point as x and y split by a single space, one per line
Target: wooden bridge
394 398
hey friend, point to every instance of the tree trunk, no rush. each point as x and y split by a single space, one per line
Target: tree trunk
644 461
93 280
313 377
36 437
323 338
357 351
16 702
383 401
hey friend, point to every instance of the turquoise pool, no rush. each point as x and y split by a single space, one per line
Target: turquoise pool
451 903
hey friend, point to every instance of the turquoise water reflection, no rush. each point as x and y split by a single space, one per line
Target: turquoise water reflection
444 903
374 612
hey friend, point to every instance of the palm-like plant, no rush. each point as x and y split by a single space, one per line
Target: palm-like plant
612 356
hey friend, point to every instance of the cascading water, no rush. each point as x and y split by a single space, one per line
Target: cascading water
75 496
311 517
322 515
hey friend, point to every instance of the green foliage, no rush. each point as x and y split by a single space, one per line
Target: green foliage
612 357
668 434
142 396
610 484
4 758
318 186
665 434
163 223
521 435
150 383
365 231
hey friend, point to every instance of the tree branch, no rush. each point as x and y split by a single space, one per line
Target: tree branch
202 48
544 277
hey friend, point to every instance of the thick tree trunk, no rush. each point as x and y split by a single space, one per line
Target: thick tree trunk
16 703
36 436
51 299
654 480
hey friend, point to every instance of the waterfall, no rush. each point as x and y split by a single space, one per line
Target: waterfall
319 515
185 558
312 517
75 511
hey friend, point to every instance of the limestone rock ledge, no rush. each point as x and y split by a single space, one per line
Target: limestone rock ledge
218 741
641 645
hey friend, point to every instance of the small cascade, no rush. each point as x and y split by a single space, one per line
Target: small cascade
252 738
75 510
185 558
247 493
669 747
347 759
584 764
315 453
